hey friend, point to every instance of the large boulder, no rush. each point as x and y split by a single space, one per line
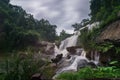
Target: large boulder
74 50
111 33
57 59
45 47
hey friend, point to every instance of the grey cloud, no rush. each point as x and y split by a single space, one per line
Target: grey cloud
63 13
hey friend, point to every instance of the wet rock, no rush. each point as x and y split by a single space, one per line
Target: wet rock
71 49
91 64
74 50
66 62
68 56
82 63
57 59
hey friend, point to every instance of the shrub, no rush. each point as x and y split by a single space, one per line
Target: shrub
20 68
91 73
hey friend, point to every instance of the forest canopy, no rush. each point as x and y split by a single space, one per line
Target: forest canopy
19 29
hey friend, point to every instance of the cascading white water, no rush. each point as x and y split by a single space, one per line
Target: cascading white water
96 58
79 60
68 42
71 41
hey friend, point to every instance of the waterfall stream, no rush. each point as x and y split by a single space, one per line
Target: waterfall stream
75 61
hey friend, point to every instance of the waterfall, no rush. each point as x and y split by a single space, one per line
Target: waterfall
79 61
76 61
71 41
96 57
74 65
68 42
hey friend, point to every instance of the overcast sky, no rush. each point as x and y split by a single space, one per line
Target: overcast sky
62 13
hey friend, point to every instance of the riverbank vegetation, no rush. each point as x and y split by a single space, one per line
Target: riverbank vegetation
101 73
21 66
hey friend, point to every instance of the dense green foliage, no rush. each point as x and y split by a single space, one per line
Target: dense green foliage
90 73
19 29
22 67
103 9
105 12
